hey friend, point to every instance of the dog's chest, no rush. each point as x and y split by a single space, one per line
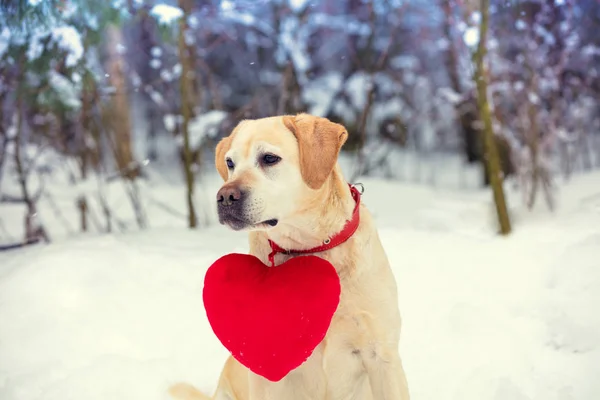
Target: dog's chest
349 340
359 324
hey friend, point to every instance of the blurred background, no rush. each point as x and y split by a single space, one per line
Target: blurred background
467 120
110 110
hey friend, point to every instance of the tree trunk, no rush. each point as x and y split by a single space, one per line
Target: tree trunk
3 146
84 120
491 151
533 144
3 153
121 123
465 110
3 138
187 99
34 231
369 58
451 56
362 123
83 213
147 41
290 101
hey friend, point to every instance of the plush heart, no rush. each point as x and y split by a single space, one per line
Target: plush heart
271 318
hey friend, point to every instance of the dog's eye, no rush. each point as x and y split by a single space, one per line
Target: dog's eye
270 159
230 163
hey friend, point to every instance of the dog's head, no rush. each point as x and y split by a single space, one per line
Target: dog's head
272 165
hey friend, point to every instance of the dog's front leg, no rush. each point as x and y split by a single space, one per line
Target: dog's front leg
386 375
305 382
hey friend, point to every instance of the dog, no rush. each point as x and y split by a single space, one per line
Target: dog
283 184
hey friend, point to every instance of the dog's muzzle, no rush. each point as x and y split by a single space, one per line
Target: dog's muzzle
230 205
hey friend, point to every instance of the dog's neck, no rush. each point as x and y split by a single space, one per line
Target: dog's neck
321 217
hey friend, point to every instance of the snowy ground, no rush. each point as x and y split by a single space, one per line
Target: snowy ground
485 318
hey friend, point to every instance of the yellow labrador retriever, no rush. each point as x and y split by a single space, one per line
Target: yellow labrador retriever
283 184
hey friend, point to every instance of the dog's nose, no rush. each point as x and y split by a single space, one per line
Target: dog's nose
229 195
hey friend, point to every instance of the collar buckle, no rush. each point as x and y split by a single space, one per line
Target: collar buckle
360 187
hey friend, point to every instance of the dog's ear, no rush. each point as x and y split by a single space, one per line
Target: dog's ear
222 149
319 143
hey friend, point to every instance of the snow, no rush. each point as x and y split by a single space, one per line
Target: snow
320 92
339 22
205 125
92 21
156 52
471 36
189 37
170 121
450 95
4 40
229 12
293 41
227 5
166 14
136 81
193 21
35 48
588 51
519 85
155 63
177 70
442 44
298 5
69 40
166 75
121 49
65 37
157 97
68 93
476 18
11 132
405 62
572 41
533 98
381 110
358 86
484 317
545 34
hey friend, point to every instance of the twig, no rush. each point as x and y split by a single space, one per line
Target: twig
58 213
15 246
3 155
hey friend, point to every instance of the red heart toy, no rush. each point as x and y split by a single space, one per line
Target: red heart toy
271 318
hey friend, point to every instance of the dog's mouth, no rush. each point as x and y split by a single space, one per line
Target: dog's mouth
270 222
264 225
238 224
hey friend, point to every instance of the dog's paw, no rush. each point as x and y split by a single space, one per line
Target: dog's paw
184 391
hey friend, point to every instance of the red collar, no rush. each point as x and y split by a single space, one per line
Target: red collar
339 238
